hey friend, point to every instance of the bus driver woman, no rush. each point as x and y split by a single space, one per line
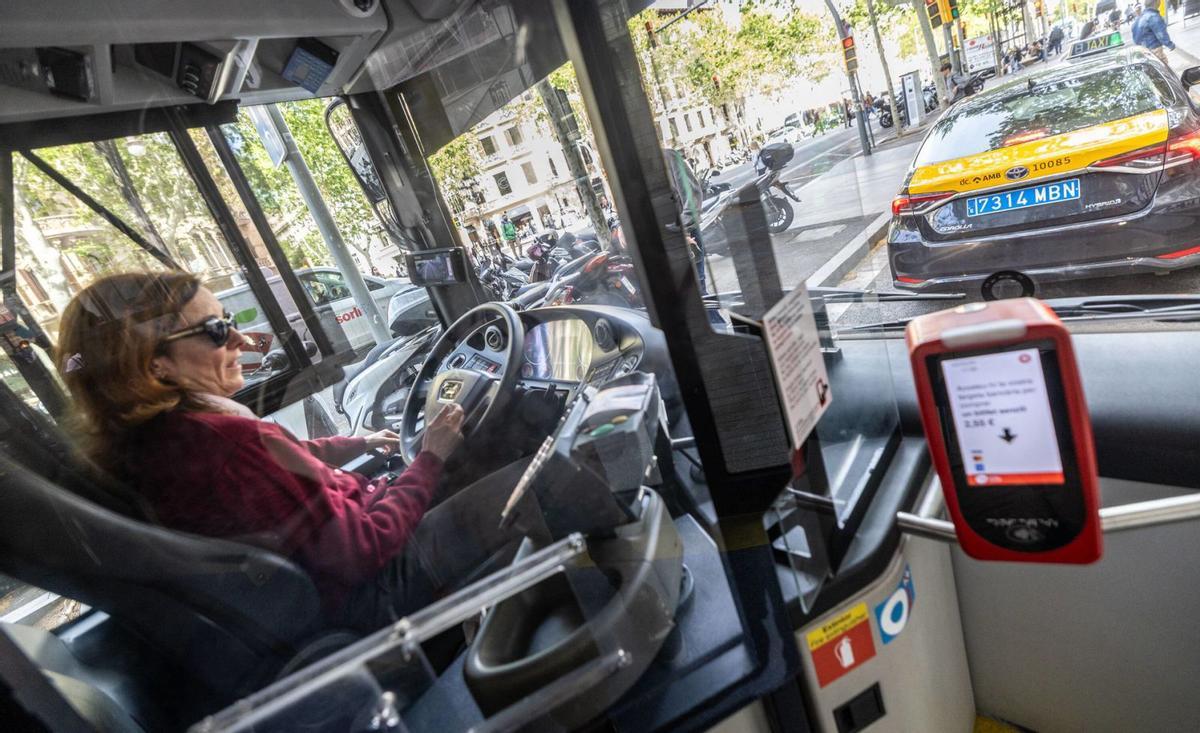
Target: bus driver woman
151 361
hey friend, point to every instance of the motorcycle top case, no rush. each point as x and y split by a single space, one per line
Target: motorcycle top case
776 155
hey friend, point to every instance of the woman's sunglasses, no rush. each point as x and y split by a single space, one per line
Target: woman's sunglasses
217 329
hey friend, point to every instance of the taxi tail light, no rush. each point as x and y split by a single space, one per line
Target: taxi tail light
1147 157
1183 147
911 203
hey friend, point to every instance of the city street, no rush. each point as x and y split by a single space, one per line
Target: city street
838 235
842 195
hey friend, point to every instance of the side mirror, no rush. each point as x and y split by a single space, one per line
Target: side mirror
1190 77
274 361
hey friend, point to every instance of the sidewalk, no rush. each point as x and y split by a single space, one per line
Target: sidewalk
857 186
1187 43
843 212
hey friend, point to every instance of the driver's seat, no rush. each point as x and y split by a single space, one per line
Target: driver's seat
229 614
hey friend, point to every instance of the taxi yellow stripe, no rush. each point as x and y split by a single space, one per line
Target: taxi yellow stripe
1047 156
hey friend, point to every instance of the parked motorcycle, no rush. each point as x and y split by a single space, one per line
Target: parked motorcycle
373 392
501 275
773 193
929 96
550 251
604 278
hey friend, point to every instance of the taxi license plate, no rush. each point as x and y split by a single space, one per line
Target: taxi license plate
1023 198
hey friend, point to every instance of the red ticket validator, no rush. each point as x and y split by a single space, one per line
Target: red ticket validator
1008 428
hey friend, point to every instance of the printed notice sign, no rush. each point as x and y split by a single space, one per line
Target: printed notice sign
1002 417
795 350
841 644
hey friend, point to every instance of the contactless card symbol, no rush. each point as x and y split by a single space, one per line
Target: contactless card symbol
892 615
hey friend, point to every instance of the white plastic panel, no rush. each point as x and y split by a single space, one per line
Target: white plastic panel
1107 647
922 672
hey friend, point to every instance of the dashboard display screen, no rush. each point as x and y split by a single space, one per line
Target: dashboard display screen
436 267
1003 420
558 350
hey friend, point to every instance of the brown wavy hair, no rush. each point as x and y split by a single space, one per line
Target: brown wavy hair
108 336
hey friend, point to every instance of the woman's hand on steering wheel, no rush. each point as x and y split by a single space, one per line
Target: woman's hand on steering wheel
444 433
482 397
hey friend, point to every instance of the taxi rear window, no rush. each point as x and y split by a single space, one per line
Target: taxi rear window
1047 109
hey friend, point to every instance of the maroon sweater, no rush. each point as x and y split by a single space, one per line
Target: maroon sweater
250 480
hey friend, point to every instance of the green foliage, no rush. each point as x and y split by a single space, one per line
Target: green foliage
161 185
897 22
457 162
277 193
724 63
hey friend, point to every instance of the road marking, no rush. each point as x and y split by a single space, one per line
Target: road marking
29 608
833 270
822 154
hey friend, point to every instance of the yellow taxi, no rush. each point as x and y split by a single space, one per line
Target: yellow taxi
1077 171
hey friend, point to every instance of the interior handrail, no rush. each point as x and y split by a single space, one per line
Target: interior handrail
1137 515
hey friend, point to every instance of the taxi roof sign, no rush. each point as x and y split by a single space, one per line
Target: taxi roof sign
1095 44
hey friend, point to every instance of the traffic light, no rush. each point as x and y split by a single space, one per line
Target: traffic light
1039 8
716 82
953 6
650 34
934 9
850 54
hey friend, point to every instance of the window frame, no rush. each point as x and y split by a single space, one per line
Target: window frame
502 183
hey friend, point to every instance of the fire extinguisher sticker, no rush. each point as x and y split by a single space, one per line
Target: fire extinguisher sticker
892 615
841 644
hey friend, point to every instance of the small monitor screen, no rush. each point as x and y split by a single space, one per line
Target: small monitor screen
1003 419
439 267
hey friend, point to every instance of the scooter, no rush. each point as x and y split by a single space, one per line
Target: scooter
604 278
718 197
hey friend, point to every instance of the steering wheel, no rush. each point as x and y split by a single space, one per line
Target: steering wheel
483 397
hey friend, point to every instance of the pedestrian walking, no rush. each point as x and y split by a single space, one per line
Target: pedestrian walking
1150 32
958 85
1056 39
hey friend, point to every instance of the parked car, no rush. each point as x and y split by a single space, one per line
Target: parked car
407 307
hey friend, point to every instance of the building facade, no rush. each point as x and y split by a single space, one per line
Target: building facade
523 174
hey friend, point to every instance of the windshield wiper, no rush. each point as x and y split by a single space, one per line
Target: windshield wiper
849 295
733 298
1166 308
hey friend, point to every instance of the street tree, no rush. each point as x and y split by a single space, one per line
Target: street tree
768 48
931 49
457 163
891 14
567 133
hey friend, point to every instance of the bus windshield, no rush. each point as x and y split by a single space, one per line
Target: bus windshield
529 364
